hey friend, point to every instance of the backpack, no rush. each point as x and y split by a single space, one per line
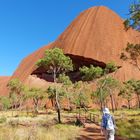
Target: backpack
109 123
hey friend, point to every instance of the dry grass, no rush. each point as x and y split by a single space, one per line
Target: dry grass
40 127
128 123
57 132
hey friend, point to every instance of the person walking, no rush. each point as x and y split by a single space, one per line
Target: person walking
108 125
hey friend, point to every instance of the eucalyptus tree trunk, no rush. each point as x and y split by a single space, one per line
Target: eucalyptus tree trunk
112 103
129 106
114 100
57 97
101 94
20 103
116 107
136 61
52 102
69 100
35 105
138 100
69 104
101 98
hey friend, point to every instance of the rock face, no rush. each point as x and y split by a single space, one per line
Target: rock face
3 83
96 36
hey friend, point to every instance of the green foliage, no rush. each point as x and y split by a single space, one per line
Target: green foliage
51 91
99 95
64 79
80 99
108 83
5 102
134 16
36 93
133 50
127 90
15 86
129 127
81 94
136 86
13 98
110 67
56 62
55 59
58 92
67 89
126 24
17 93
91 73
26 93
3 119
105 87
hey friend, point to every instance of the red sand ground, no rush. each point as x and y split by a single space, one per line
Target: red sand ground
92 132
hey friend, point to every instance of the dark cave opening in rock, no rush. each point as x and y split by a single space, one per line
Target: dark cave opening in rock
74 75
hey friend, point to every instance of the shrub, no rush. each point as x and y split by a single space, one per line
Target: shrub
3 119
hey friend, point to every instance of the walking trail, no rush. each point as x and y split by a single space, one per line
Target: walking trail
92 131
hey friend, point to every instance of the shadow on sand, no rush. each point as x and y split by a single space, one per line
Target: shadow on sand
90 132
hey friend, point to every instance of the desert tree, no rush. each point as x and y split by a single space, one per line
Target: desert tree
67 87
136 86
127 91
93 73
99 96
53 90
36 94
110 67
14 101
5 101
55 62
51 94
134 16
131 53
102 89
16 92
137 91
81 96
109 86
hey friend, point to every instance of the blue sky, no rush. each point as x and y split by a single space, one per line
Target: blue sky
26 25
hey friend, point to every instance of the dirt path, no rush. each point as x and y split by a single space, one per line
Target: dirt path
92 132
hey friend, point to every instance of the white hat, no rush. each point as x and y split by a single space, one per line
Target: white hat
106 110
